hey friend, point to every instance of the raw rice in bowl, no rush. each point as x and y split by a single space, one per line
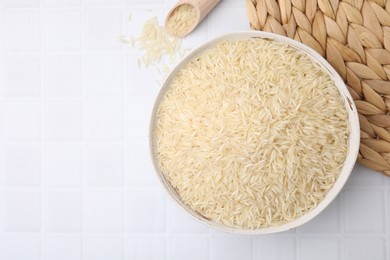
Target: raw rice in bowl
254 133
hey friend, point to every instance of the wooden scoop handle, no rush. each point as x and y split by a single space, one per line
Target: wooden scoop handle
202 7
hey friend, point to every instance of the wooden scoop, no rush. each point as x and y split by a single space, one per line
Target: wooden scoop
202 8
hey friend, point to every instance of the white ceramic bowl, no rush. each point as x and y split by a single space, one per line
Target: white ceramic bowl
354 136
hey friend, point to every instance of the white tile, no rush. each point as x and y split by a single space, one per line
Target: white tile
21 3
130 2
146 211
388 247
22 247
104 247
216 231
104 75
62 3
188 247
364 211
63 121
149 77
22 165
22 76
220 25
388 214
328 221
319 248
140 171
197 37
63 211
181 222
104 120
63 165
63 77
139 111
103 29
364 248
103 2
387 181
231 2
363 177
104 165
22 31
170 2
290 231
146 247
270 248
21 120
63 247
140 15
104 211
229 247
22 211
63 30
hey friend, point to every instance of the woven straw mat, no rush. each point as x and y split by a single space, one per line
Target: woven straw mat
354 36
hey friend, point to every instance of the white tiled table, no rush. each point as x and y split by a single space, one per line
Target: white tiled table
76 179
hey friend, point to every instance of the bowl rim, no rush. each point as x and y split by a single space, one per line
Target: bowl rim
353 142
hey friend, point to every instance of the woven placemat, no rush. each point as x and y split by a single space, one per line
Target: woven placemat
354 36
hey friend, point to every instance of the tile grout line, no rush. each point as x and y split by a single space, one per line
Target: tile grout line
386 193
94 7
297 245
83 174
342 226
253 252
67 143
125 134
64 99
67 52
77 188
2 81
55 189
42 81
118 233
167 230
